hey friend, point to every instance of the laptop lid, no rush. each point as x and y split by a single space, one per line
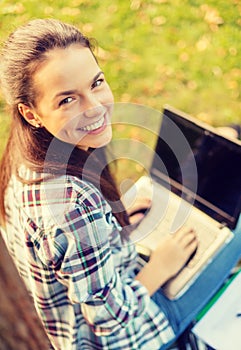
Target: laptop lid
200 165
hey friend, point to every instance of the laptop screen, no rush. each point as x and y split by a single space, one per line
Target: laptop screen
199 164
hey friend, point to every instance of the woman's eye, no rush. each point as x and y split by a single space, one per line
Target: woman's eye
66 100
98 82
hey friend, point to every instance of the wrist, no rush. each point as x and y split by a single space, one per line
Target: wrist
152 276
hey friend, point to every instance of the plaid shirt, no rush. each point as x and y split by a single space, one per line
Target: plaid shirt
67 247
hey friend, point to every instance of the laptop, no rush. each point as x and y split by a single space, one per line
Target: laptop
194 180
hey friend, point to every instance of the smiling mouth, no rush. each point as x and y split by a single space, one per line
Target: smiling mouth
94 126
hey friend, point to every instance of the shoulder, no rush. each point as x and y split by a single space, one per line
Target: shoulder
57 196
71 189
37 188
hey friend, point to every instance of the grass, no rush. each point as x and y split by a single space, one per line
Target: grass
184 53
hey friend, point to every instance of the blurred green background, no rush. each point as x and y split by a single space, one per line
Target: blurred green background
185 53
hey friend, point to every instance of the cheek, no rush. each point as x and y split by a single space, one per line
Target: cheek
55 124
108 95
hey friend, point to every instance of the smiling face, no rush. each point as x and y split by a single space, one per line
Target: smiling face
74 102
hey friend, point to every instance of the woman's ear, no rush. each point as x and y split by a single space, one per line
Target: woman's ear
29 115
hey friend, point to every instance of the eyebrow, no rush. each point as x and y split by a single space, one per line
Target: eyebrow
70 92
97 76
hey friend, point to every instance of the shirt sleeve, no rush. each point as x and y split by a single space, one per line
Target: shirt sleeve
80 251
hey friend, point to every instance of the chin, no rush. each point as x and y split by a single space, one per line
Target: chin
98 142
101 144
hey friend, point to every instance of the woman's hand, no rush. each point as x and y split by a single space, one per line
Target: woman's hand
174 250
138 199
169 257
137 211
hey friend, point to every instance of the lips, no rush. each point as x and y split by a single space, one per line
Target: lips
94 126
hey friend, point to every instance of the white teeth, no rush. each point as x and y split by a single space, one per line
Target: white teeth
94 126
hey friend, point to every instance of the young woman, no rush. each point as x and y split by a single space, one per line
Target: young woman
65 226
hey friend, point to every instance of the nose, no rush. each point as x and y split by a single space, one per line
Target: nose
94 112
93 108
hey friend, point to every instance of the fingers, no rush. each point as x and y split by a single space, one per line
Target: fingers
140 205
186 237
136 217
190 238
188 241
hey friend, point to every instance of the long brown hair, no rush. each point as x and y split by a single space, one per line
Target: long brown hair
22 55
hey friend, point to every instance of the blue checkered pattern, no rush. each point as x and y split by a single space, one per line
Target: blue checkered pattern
67 247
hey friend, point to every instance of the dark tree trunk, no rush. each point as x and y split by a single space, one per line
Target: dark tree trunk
20 327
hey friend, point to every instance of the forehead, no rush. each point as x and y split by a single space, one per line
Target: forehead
64 67
70 51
